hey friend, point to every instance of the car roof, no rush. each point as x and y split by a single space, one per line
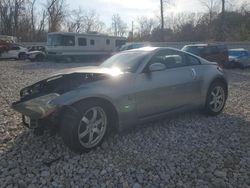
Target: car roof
238 49
203 45
151 49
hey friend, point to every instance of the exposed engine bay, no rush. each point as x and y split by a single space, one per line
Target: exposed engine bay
59 84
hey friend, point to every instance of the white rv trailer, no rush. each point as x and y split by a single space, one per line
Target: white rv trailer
10 39
73 46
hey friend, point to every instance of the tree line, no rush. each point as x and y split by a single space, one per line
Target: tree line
31 20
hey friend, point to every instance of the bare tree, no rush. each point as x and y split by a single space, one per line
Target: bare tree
91 22
84 21
76 22
56 13
32 12
10 11
145 27
41 34
119 27
211 6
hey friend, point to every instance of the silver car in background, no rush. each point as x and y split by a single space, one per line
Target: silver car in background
86 104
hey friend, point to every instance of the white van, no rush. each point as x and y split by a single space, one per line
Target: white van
73 46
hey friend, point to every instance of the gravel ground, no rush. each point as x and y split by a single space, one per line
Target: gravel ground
189 150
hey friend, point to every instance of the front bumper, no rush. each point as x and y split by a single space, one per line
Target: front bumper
36 108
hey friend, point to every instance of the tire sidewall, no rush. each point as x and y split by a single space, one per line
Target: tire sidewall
22 56
70 124
39 57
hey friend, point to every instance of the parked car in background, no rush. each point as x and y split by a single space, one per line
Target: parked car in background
14 51
87 104
239 57
211 52
36 55
36 48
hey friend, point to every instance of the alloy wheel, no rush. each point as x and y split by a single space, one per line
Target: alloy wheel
217 99
92 127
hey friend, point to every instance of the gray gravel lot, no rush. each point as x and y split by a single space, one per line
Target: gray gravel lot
189 150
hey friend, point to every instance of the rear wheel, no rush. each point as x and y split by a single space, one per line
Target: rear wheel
216 98
84 126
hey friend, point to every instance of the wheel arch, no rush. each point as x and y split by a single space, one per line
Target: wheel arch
108 104
21 53
222 80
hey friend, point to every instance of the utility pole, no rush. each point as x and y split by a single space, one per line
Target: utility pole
222 38
162 21
132 36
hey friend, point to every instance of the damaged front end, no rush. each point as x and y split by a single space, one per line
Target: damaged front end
35 103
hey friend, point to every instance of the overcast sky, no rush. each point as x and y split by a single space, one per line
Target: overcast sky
131 9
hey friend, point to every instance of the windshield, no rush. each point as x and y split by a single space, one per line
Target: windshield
126 62
197 50
61 40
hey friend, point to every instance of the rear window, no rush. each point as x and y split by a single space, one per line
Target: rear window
211 50
82 42
196 50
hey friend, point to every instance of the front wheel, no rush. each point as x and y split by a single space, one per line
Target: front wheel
22 56
84 126
40 57
216 98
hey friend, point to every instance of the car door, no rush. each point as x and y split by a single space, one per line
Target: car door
165 90
13 52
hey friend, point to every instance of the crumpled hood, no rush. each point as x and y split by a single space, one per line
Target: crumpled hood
90 69
68 79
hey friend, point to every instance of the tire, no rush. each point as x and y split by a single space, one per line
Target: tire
215 102
22 56
79 123
40 57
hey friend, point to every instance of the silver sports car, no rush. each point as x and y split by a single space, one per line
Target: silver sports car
131 87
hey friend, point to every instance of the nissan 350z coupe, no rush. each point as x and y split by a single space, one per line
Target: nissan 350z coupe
86 104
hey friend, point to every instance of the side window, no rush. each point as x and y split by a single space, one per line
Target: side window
130 47
170 58
82 42
92 42
210 50
108 42
192 60
69 40
119 43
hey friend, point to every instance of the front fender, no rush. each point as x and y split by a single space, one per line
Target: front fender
74 96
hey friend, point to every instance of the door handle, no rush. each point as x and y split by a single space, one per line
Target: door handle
194 74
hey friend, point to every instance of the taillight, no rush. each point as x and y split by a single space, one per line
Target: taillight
220 68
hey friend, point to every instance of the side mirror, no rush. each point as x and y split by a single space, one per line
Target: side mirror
157 67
